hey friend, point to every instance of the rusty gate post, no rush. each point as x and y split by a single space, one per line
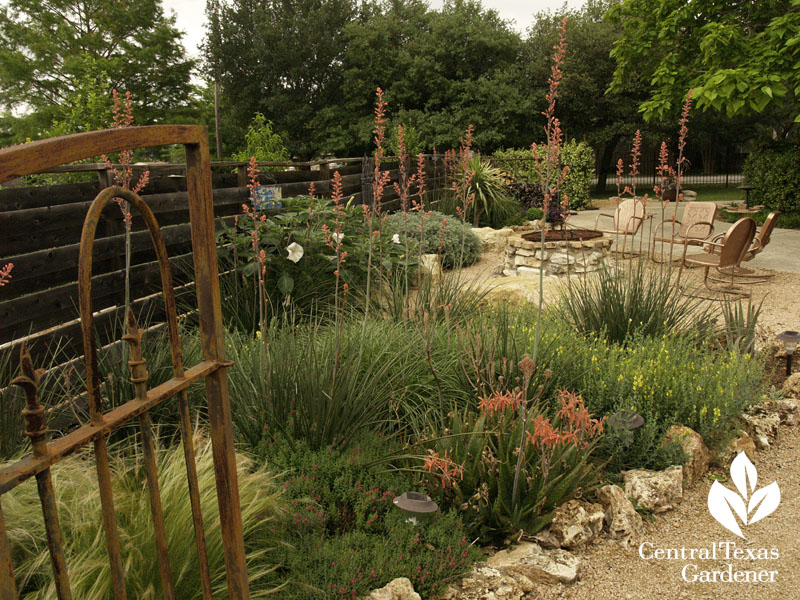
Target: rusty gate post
212 335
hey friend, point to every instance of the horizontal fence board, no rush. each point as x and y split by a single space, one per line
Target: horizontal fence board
49 307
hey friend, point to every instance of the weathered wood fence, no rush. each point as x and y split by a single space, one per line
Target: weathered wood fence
40 229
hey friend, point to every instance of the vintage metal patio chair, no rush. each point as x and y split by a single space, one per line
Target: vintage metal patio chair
761 239
627 220
722 256
44 154
696 225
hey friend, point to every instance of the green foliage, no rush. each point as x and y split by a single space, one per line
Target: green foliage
775 171
439 234
534 214
78 500
262 144
50 53
348 537
315 383
738 58
578 156
740 324
637 301
492 205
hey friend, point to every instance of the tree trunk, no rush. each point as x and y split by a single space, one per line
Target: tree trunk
605 163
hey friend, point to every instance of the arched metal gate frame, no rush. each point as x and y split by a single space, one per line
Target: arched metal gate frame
36 156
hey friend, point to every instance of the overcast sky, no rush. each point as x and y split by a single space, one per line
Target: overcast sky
191 14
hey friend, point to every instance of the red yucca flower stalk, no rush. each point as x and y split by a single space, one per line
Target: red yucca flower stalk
636 154
122 118
5 273
683 132
256 220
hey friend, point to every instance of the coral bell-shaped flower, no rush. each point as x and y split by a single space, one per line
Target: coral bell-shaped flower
295 252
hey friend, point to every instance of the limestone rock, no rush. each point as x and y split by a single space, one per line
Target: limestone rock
622 521
791 387
430 267
696 450
513 290
487 583
743 443
529 561
788 411
657 491
762 427
493 240
397 589
576 523
562 259
528 271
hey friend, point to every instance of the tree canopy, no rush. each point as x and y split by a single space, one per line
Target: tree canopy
739 56
55 54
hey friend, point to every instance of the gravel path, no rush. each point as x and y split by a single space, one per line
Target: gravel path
610 571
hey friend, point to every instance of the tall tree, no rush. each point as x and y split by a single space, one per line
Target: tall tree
281 58
585 109
739 56
50 49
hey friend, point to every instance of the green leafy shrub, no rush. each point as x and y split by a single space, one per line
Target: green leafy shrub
78 499
473 468
455 241
775 171
668 380
350 538
309 283
637 301
578 156
263 144
534 214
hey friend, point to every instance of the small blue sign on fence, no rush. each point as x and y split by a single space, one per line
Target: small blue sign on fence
267 197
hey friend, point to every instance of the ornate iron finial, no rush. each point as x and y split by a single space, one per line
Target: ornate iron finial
35 420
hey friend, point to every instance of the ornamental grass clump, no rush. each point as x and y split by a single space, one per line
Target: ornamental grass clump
78 498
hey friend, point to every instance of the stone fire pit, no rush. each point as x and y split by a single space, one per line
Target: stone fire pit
525 255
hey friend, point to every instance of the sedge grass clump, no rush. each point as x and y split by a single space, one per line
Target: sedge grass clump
78 500
636 301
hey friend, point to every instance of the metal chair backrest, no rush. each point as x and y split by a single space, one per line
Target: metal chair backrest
36 156
694 219
764 234
629 215
736 242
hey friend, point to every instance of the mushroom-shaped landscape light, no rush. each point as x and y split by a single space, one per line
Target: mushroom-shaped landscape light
416 506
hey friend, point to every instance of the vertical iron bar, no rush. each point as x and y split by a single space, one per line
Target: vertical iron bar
139 379
201 214
95 405
36 430
8 587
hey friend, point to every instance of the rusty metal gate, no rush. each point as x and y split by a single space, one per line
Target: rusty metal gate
36 156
